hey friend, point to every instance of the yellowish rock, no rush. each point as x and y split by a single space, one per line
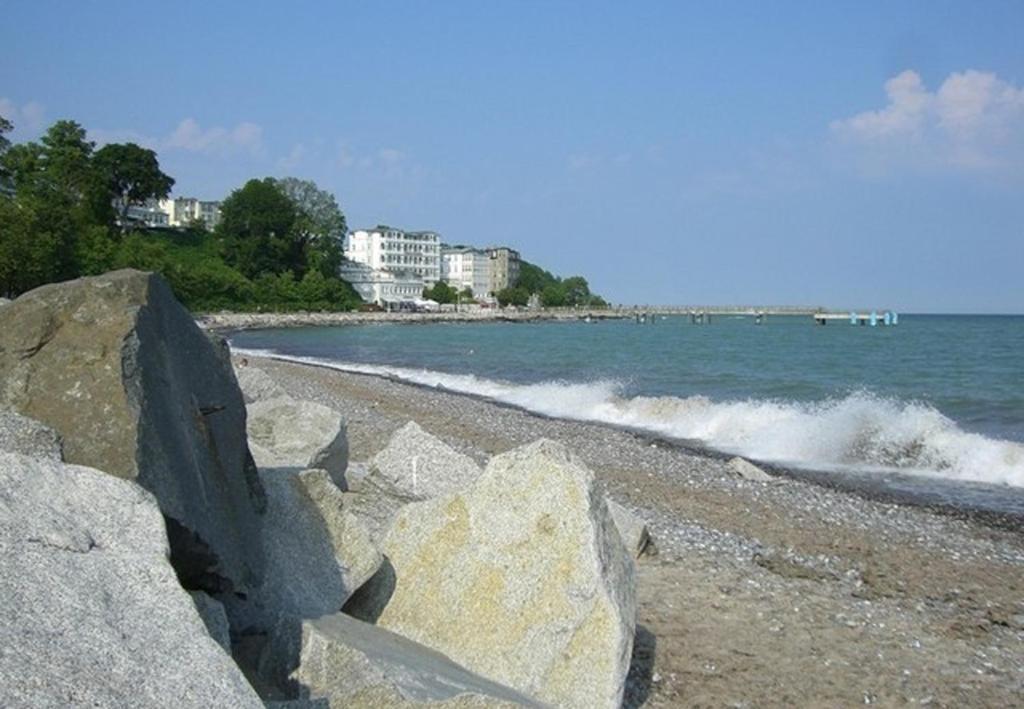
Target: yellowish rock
522 578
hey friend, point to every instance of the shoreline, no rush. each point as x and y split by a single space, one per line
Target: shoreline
235 322
761 594
932 493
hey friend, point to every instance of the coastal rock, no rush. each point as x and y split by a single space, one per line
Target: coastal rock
632 529
522 578
316 552
748 471
117 367
354 664
285 433
92 612
420 465
257 385
20 434
212 613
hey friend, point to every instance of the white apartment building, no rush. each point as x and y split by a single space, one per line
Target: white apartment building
385 288
183 210
149 214
385 248
465 267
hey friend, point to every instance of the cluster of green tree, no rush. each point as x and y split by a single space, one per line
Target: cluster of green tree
443 293
65 212
553 291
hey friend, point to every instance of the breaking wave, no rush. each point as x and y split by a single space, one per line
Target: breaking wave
860 431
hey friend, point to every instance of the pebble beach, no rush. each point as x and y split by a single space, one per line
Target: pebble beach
757 593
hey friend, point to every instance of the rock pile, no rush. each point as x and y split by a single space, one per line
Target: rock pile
148 558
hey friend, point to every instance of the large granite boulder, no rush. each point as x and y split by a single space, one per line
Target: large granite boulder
420 465
92 612
522 578
257 385
20 434
354 664
316 552
120 370
287 433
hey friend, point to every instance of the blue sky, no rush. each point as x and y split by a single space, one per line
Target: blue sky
844 154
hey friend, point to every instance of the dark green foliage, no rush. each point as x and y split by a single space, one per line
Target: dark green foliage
442 293
534 278
57 222
556 292
513 296
256 230
129 175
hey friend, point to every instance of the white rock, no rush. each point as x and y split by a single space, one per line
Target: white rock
20 434
420 465
257 385
748 471
521 578
285 433
92 612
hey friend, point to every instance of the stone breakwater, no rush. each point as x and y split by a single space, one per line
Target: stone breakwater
179 529
172 532
254 321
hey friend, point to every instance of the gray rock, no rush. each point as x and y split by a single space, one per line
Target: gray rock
212 613
92 612
317 552
256 384
748 471
521 578
285 433
351 663
420 465
4 301
20 434
118 368
632 529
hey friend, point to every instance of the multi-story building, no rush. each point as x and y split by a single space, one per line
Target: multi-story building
504 270
385 288
184 210
465 267
385 248
149 214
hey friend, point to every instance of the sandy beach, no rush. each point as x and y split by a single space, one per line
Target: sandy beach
760 594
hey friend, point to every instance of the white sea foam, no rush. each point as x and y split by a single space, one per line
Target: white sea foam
858 432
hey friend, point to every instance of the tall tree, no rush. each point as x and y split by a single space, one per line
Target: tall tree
319 226
130 175
256 229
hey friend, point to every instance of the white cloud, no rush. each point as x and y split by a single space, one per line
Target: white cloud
28 118
189 136
974 120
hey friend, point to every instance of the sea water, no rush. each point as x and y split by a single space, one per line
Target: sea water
936 396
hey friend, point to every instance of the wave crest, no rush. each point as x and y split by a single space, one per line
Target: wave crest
860 431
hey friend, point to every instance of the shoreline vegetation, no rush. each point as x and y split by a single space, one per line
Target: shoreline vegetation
66 210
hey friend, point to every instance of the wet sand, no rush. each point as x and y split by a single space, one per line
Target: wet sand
761 594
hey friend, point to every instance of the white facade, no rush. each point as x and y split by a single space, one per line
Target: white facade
385 288
149 214
465 267
183 210
388 249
